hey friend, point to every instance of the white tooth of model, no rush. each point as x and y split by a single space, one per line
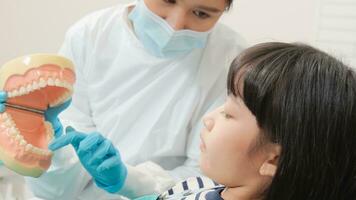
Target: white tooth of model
23 143
28 147
35 85
65 84
60 83
29 88
36 150
22 90
6 116
42 83
56 82
13 130
16 93
2 117
50 82
18 137
8 123
12 134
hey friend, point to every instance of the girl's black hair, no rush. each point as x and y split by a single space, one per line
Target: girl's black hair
305 101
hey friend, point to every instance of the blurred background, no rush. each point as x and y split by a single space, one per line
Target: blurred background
38 26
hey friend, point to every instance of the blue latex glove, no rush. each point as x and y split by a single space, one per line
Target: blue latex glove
51 115
148 197
3 98
98 156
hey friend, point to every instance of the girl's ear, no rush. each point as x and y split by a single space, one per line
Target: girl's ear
269 166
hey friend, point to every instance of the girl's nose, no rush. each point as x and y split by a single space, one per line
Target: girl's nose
208 123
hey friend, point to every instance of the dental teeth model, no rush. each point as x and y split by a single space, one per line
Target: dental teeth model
35 82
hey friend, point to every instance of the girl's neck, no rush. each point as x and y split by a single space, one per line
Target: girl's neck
240 193
253 190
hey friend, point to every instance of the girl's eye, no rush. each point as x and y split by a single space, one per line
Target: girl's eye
170 1
227 116
200 14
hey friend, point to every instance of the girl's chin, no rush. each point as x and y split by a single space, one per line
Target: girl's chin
202 147
204 167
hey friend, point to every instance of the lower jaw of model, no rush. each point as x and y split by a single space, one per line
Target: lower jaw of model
36 82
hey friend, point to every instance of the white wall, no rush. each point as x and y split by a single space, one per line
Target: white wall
282 20
337 29
35 26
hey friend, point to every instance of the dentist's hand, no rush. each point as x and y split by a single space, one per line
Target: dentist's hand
98 156
51 115
3 98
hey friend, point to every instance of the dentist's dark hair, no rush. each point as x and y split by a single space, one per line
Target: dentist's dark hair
305 101
229 4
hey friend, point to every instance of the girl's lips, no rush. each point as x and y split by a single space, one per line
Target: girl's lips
202 143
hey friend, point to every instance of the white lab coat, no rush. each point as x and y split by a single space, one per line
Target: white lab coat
12 185
150 108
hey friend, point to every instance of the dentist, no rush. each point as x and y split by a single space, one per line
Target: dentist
146 74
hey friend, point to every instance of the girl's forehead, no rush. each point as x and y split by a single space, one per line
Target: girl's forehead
237 77
235 101
239 83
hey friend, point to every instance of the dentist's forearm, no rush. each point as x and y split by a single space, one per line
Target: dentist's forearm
146 179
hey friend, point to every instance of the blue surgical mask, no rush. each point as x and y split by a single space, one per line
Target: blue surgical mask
159 38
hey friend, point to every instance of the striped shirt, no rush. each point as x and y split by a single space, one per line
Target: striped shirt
195 188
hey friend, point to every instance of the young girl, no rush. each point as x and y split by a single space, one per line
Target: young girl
287 130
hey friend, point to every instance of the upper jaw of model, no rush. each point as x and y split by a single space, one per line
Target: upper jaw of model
36 82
